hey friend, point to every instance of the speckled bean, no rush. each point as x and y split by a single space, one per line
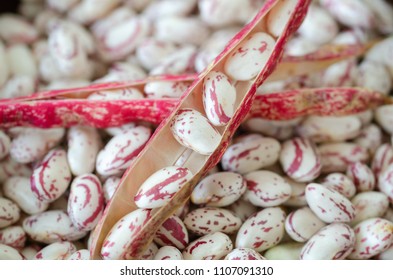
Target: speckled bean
298 195
266 188
362 176
119 238
383 157
302 224
19 190
243 209
9 212
219 189
172 232
262 230
52 177
284 251
191 129
244 254
51 226
385 182
213 246
161 186
300 160
329 205
121 150
165 89
168 253
247 156
247 59
13 236
83 146
383 116
341 183
82 254
86 202
370 138
110 186
56 251
333 242
336 157
369 205
202 221
373 236
9 253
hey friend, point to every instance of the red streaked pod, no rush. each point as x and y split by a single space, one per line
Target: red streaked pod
385 182
86 202
244 254
332 242
247 156
329 128
266 188
14 29
242 209
165 89
19 190
335 157
83 146
191 129
110 186
9 168
246 60
173 232
369 205
33 144
82 254
160 187
168 253
119 237
370 137
297 198
9 253
202 221
51 226
121 150
88 11
9 212
329 205
56 251
164 150
219 189
302 224
373 236
212 246
219 97
51 178
262 230
383 157
362 176
116 94
300 159
339 182
5 145
13 236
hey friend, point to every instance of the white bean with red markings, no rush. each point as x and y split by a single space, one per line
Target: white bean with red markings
9 253
56 251
173 232
202 221
9 212
266 188
13 236
19 190
247 156
212 246
168 253
219 189
262 230
329 205
370 137
82 254
110 186
244 254
369 205
362 176
298 195
341 183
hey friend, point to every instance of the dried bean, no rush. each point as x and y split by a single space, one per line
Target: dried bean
82 254
172 232
340 183
284 251
369 205
168 253
362 176
9 212
56 251
13 236
244 254
9 253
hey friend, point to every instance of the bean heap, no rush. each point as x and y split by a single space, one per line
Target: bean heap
312 187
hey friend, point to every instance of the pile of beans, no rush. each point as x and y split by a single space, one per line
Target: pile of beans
314 187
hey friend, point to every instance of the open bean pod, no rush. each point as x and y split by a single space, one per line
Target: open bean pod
246 62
